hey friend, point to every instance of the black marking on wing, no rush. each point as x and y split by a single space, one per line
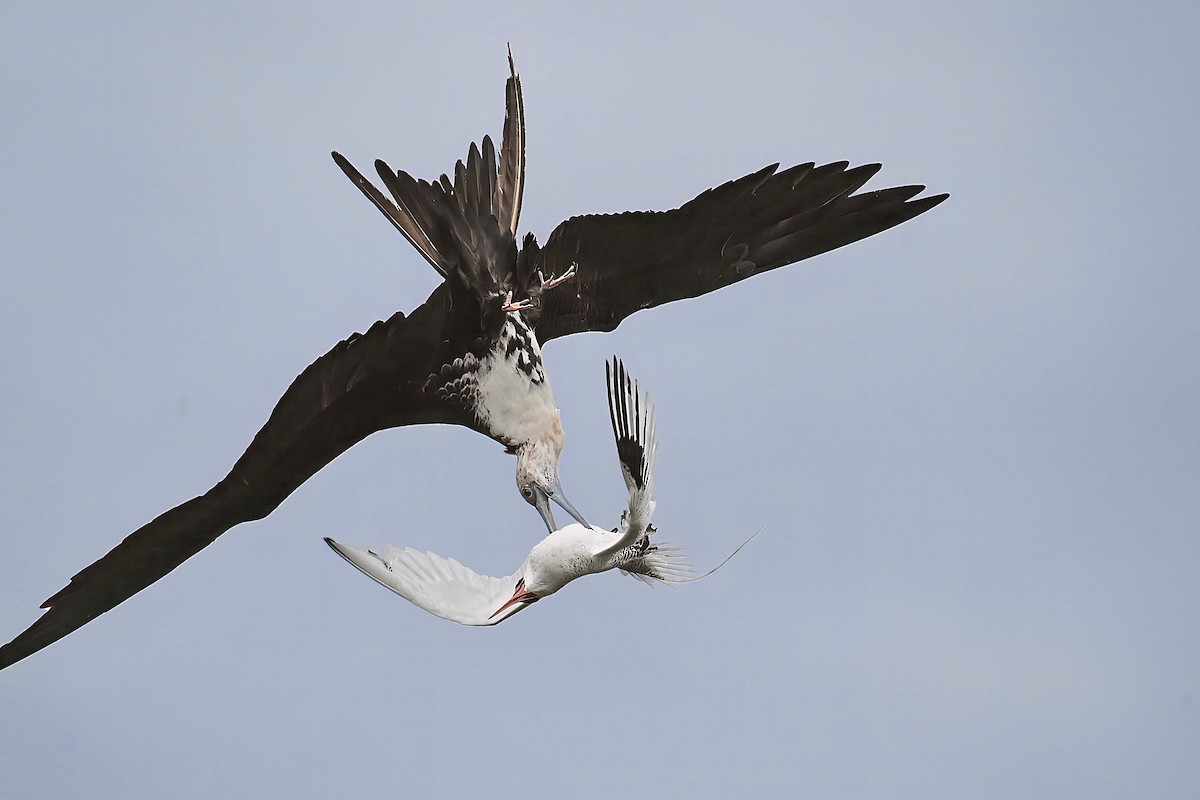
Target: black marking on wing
768 219
627 422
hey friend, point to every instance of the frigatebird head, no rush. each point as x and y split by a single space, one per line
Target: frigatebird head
537 480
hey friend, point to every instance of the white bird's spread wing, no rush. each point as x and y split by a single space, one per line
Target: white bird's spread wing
441 586
634 427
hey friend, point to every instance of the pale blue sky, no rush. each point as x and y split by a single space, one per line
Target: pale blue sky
975 437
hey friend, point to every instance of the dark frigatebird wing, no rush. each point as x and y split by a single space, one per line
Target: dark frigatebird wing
769 219
404 371
366 383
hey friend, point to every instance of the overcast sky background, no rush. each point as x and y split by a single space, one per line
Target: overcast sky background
974 437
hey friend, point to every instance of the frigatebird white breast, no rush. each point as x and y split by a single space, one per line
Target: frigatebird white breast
470 355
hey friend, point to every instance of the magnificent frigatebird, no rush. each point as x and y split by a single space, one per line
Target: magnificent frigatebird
487 372
469 355
452 591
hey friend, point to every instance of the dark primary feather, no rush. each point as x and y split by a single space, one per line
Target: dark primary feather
768 219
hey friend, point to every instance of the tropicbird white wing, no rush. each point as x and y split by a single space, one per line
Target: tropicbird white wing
441 586
635 430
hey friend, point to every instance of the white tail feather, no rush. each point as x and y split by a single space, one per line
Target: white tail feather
660 564
667 565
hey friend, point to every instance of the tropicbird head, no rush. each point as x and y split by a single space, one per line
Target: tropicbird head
551 564
522 598
537 479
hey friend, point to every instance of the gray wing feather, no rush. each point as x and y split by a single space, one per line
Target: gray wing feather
441 586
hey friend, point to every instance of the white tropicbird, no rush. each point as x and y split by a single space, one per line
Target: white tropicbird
444 587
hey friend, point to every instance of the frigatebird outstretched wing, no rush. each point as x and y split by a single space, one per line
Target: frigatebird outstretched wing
366 383
769 219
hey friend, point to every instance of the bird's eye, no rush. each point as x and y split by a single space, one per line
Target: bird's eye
525 490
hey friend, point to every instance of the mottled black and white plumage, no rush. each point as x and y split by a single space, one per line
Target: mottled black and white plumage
470 354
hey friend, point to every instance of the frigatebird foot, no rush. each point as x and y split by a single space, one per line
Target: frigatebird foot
509 307
555 280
